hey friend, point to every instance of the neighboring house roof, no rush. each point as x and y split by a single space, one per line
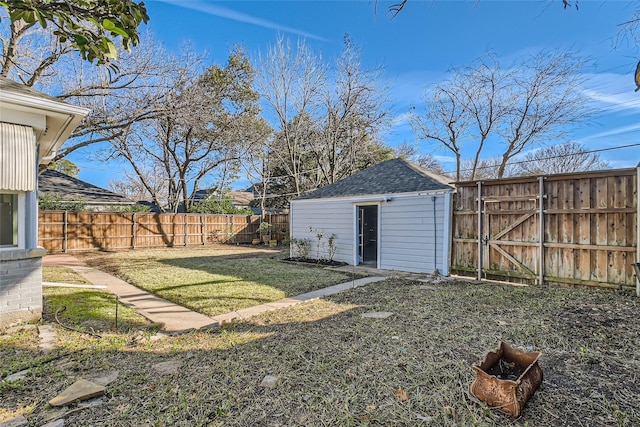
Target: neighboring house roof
202 195
389 177
51 119
73 189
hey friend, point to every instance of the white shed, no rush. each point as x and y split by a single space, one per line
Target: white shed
392 216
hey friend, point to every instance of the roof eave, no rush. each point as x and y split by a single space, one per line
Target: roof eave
61 118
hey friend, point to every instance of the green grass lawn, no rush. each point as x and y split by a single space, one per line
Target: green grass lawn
89 309
216 280
91 316
338 368
62 275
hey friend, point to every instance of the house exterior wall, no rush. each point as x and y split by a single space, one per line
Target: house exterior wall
20 285
409 238
32 127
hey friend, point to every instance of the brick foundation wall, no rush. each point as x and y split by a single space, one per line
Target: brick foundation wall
20 286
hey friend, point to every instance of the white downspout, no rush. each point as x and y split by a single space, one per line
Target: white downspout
446 234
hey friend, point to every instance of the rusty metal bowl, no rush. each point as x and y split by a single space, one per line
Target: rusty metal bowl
507 378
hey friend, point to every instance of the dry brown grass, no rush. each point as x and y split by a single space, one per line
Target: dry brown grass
336 368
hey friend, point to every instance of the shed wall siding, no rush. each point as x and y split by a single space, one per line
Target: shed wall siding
308 218
409 239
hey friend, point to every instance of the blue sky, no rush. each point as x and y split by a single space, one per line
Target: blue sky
420 45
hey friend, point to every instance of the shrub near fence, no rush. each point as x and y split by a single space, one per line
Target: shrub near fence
64 231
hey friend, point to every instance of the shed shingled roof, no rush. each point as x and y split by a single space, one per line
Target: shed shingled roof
389 177
74 189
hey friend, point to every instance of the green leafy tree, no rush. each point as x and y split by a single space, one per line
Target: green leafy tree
219 206
65 166
90 26
54 202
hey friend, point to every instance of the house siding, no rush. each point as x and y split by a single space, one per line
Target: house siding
20 286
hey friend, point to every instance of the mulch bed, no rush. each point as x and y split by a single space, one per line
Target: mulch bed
322 262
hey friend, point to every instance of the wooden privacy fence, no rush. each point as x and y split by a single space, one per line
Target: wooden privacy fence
578 229
64 231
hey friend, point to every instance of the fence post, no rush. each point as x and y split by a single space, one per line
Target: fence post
186 229
133 230
479 230
64 232
203 228
638 225
541 198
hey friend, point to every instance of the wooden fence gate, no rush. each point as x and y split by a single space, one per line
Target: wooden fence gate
570 229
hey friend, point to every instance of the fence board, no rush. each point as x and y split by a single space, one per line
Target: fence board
61 231
589 229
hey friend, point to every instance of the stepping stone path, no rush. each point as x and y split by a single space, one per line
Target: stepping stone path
105 380
78 391
15 422
378 314
269 381
169 367
47 338
17 376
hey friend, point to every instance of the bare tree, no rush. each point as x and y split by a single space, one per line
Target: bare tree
485 168
290 81
208 122
516 108
560 158
138 93
326 118
426 161
546 99
445 121
153 187
355 112
118 99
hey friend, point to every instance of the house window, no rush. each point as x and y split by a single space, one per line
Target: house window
8 220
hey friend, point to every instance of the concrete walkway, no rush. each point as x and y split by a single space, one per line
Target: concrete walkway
174 317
